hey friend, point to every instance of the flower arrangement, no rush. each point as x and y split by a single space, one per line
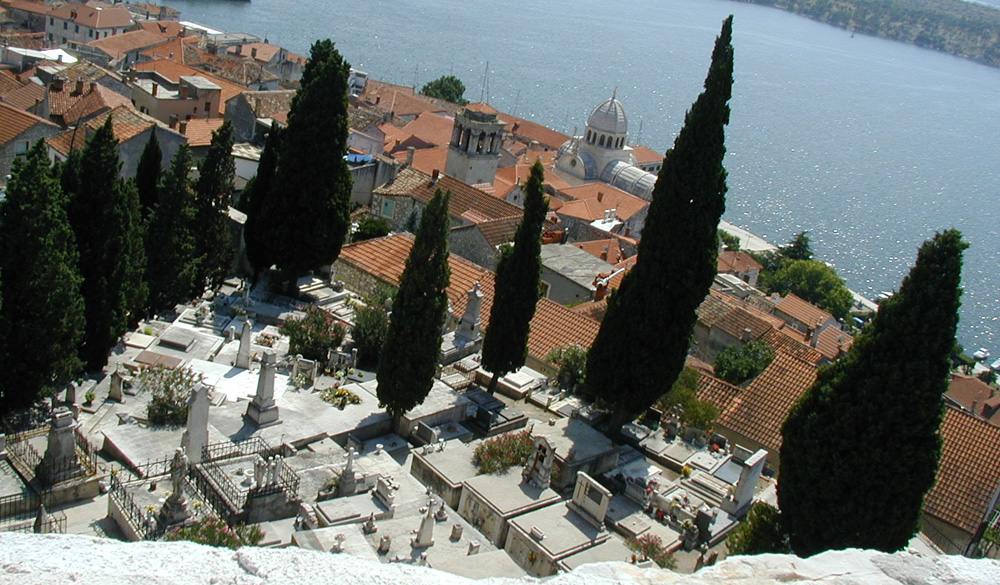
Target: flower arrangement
339 397
215 532
650 546
500 453
267 340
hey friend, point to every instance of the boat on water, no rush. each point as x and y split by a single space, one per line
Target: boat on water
982 354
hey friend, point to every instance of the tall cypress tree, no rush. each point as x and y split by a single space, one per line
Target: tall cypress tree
213 194
861 447
256 229
418 314
104 213
651 316
171 268
41 320
147 173
312 191
515 291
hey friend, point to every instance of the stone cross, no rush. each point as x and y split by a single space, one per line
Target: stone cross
347 484
243 355
196 434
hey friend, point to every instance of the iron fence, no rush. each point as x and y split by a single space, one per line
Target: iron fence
143 522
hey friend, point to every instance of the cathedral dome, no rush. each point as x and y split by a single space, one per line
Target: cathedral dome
609 117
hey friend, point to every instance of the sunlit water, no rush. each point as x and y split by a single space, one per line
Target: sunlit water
871 145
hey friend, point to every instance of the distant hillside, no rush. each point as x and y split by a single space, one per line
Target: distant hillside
952 26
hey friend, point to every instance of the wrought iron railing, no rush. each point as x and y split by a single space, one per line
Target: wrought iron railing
143 522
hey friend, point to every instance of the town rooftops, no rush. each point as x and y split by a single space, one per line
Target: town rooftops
645 155
425 160
199 130
976 396
118 45
803 311
467 202
591 201
24 97
525 130
13 122
264 52
174 71
126 124
574 264
96 98
431 128
25 6
730 261
552 326
114 17
609 250
167 28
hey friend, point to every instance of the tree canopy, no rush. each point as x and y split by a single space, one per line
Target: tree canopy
446 87
815 282
312 188
418 314
739 363
147 174
867 430
256 229
314 335
41 319
760 532
213 194
516 288
683 399
651 317
171 268
798 248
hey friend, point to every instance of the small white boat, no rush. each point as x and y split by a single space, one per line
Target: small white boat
981 355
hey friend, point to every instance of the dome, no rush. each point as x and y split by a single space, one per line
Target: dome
609 118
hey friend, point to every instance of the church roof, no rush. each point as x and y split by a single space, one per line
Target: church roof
630 179
609 117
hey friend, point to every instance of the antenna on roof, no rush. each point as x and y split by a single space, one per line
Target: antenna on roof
484 93
415 67
517 100
636 142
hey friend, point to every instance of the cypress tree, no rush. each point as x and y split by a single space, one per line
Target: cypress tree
651 316
861 448
515 291
418 314
312 191
104 213
255 230
213 194
41 320
172 265
147 173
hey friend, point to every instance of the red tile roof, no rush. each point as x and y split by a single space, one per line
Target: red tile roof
126 124
608 250
176 49
525 130
33 7
590 201
730 261
425 160
398 140
167 28
976 396
14 121
467 202
199 130
803 311
431 128
518 174
969 471
25 97
116 16
400 103
833 342
116 46
96 98
552 326
9 83
645 155
758 411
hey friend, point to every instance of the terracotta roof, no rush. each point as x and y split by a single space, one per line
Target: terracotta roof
425 160
401 104
431 128
176 49
730 261
969 471
126 124
96 98
778 341
608 250
700 365
116 16
518 174
9 83
499 231
975 396
87 71
24 6
269 104
833 342
173 71
591 309
590 201
526 129
14 121
24 97
364 115
758 411
802 311
645 155
729 314
552 326
467 202
199 130
374 87
117 45
167 28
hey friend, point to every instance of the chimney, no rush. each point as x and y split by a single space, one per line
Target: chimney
602 289
811 336
183 127
975 409
156 87
73 14
409 156
600 196
173 121
746 334
435 176
93 86
79 86
57 83
253 52
184 92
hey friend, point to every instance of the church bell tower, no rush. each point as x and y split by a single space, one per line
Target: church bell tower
474 150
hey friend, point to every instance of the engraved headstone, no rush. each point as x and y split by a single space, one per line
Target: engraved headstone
243 354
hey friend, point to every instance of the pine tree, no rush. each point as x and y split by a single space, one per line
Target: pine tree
147 173
170 243
651 316
418 314
861 447
312 190
255 230
516 291
213 194
104 213
41 320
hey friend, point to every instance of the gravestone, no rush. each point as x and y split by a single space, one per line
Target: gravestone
196 433
425 534
369 525
384 493
175 509
60 461
470 326
263 410
751 467
347 485
117 391
538 470
590 500
243 355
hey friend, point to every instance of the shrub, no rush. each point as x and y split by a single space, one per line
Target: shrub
370 227
683 396
215 532
313 335
371 324
738 364
760 532
649 546
171 389
500 453
572 362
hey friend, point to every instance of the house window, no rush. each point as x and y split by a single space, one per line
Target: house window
105 34
65 25
208 107
90 33
52 22
388 208
76 28
21 147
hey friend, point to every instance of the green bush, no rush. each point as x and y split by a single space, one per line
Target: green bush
683 395
215 532
738 364
572 362
171 388
370 227
500 453
760 532
313 335
371 324
650 546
